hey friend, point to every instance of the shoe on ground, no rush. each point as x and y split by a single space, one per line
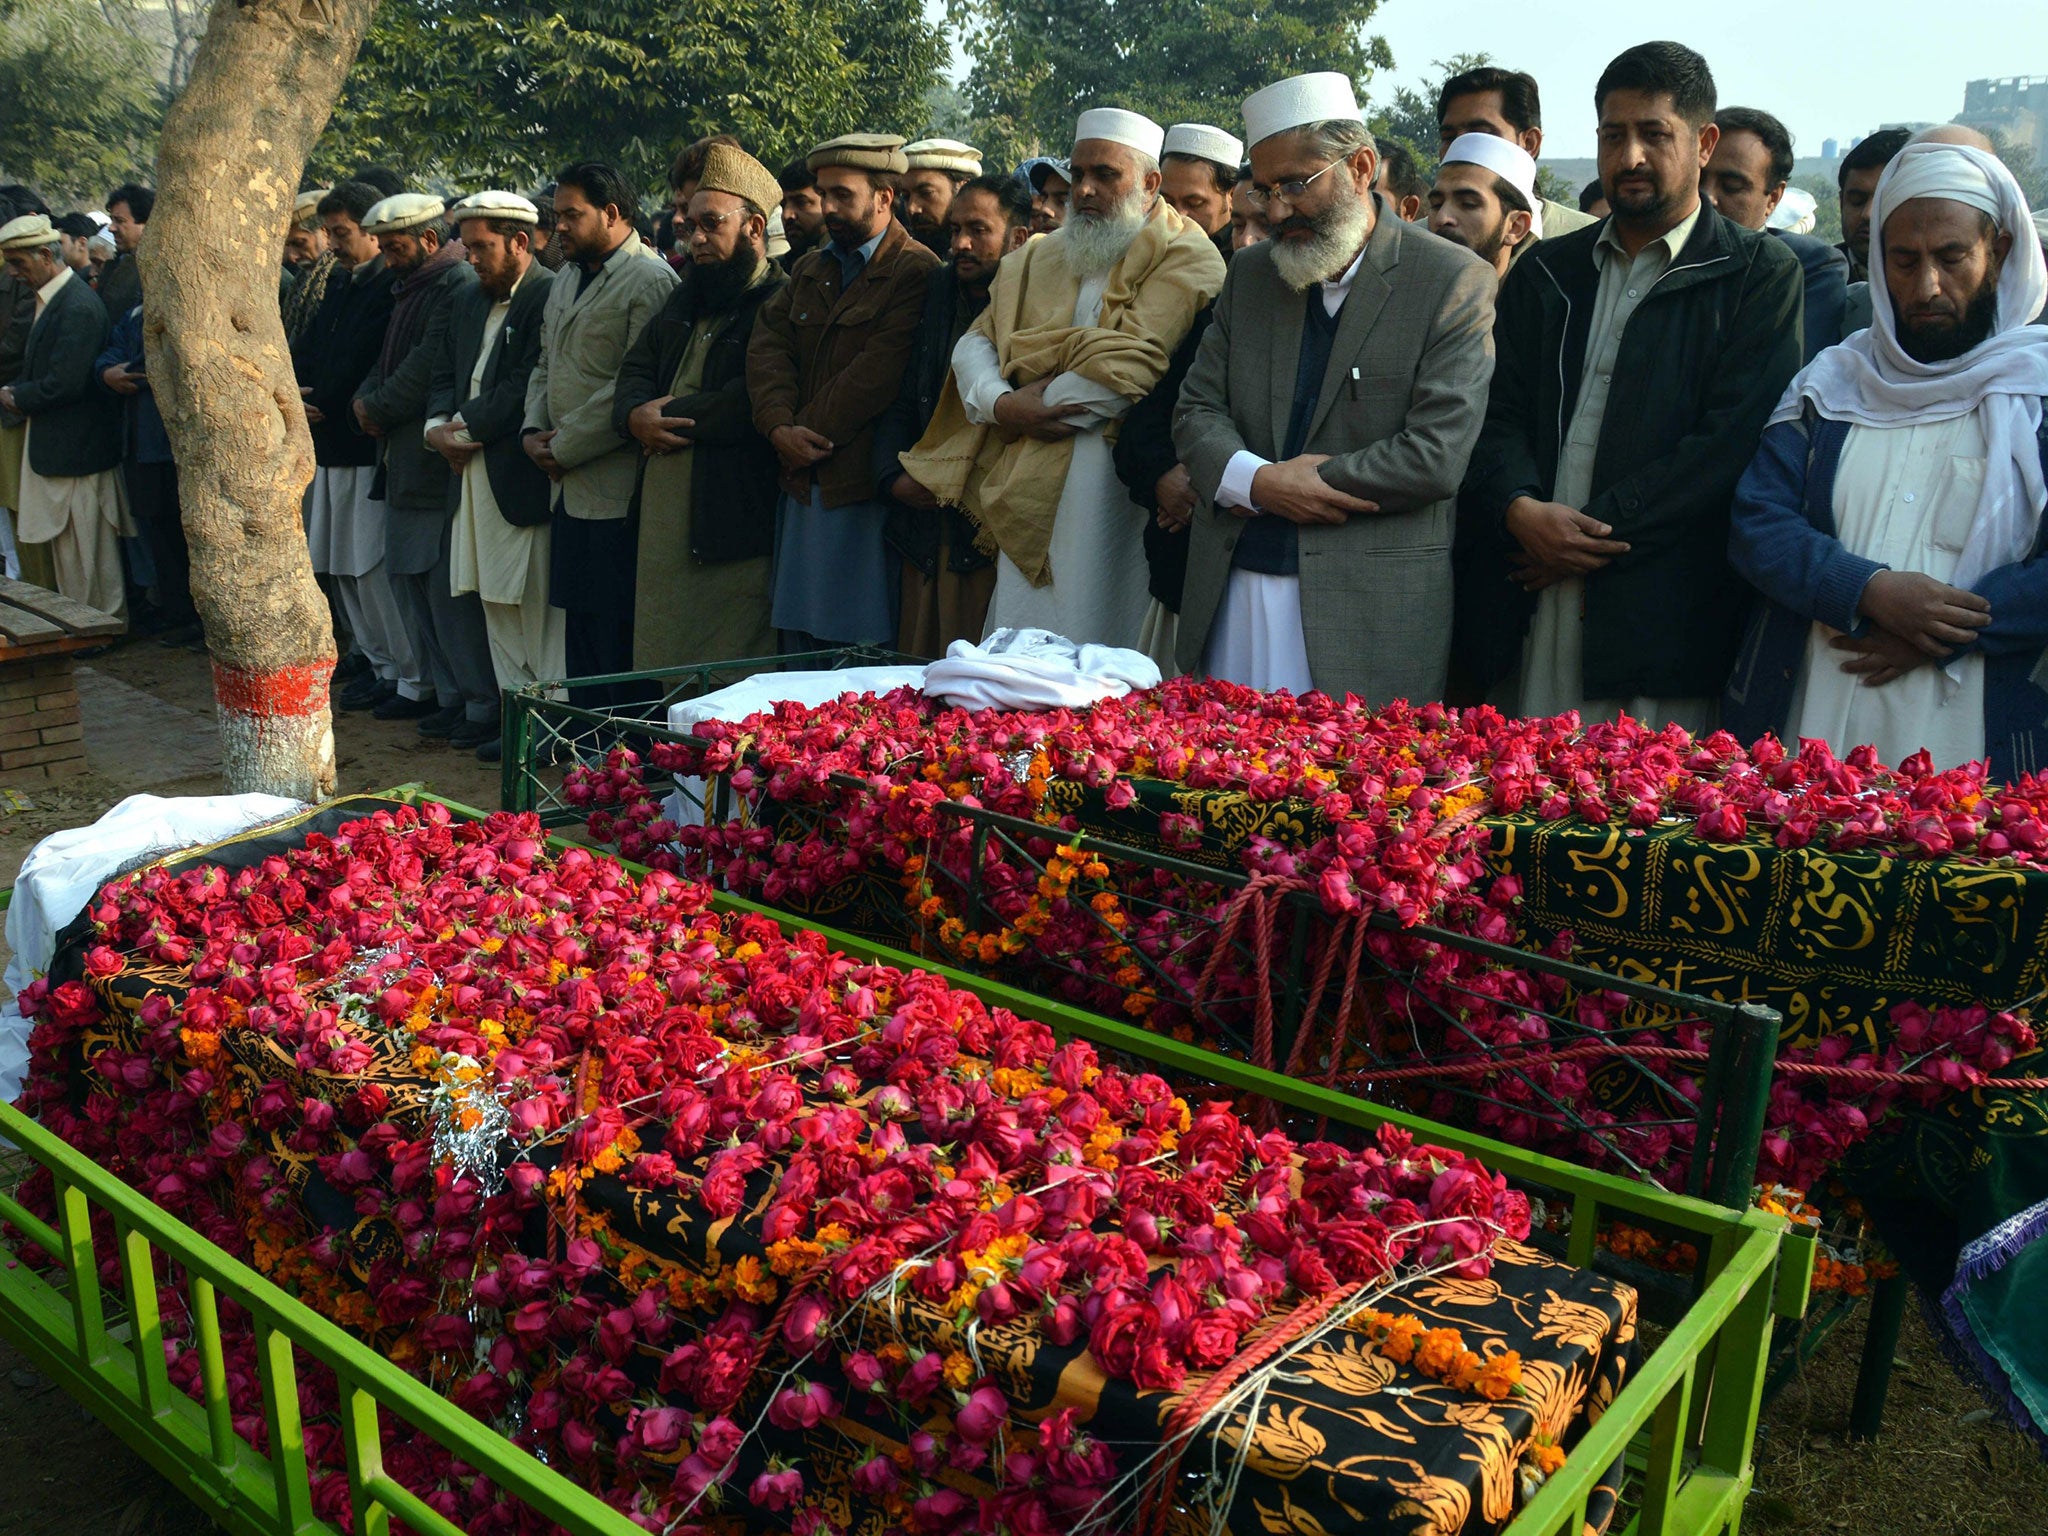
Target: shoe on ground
474 733
180 636
366 693
399 707
441 721
349 668
491 751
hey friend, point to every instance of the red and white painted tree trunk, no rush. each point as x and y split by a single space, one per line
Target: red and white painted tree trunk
234 145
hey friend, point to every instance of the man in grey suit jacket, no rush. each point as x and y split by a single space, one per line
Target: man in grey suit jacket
610 287
1327 421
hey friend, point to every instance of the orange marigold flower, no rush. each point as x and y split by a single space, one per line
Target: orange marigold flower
958 1370
1464 1371
1402 1334
1501 1374
1438 1351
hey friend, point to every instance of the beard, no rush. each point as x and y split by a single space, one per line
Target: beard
719 283
1095 242
1334 237
1487 246
1948 339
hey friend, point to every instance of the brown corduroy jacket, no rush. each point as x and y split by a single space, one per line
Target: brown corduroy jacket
832 361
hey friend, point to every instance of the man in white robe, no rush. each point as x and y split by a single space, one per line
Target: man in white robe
1080 326
499 546
1893 513
71 498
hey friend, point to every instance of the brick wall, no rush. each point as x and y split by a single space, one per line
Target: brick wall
41 737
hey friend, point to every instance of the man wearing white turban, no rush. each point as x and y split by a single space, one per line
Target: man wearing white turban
1079 327
1892 515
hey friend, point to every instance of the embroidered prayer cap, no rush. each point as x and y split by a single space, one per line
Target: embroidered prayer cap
730 169
1133 130
402 213
307 204
948 155
1322 97
30 232
492 204
1203 142
860 152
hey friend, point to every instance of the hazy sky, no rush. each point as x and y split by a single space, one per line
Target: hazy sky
1827 70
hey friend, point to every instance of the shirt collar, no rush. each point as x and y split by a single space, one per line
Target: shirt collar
865 251
1342 282
49 290
1673 239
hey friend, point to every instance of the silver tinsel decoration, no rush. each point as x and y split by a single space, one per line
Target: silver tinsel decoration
471 1149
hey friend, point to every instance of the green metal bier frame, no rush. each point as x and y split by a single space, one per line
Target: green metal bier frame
1686 1421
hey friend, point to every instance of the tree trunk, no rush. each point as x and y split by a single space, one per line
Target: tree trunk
234 144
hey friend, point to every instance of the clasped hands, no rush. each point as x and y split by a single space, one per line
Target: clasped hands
1914 620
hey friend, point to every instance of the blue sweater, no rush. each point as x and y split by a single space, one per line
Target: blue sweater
144 440
1782 540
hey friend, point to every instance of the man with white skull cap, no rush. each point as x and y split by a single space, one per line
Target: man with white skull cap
1485 198
1080 326
1319 556
1892 516
1197 170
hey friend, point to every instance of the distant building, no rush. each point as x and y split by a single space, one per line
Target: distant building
2015 107
1830 149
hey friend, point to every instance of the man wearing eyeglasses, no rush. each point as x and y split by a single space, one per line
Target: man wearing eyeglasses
1327 421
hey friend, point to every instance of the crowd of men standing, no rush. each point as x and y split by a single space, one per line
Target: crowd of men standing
1271 408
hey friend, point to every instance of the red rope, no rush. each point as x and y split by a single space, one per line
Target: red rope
1189 1411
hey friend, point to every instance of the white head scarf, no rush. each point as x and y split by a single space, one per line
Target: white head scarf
1871 381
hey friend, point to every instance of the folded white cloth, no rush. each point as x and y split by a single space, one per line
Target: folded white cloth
1035 669
764 690
62 872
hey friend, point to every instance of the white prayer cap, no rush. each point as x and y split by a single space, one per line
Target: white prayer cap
1322 97
509 206
1509 161
1131 129
948 155
775 240
30 232
1942 170
1204 143
100 217
402 213
1796 214
307 203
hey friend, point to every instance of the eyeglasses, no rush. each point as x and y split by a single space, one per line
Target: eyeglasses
707 223
1288 192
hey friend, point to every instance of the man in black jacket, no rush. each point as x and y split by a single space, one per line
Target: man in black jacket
705 507
344 526
1150 468
947 582
446 632
17 314
499 540
70 498
1635 364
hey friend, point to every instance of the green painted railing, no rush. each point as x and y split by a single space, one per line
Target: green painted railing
1687 1420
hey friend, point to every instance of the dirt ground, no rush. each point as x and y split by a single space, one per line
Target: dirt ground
1943 1466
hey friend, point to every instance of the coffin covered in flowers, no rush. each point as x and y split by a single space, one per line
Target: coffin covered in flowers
742 1230
1694 864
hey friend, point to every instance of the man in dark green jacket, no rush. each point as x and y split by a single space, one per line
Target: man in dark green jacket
1635 364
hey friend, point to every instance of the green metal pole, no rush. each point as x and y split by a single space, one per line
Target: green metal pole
1880 1344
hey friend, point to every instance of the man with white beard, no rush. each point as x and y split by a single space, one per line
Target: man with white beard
1327 421
1080 326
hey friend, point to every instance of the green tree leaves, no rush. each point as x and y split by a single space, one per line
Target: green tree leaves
79 100
471 91
1039 63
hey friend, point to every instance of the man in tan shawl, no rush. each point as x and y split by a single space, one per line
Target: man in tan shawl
1080 326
